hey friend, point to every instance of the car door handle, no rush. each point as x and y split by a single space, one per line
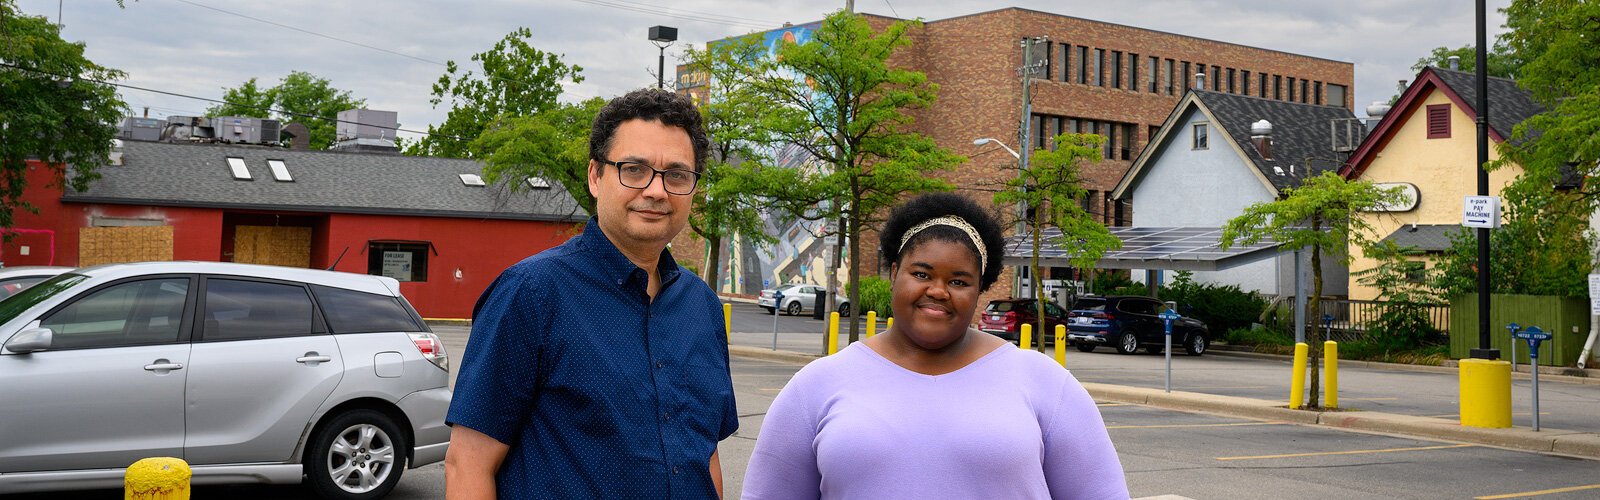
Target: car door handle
312 358
156 367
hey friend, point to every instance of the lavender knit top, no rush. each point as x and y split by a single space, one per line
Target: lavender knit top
1012 424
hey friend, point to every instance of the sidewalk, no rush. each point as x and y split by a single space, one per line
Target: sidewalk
1382 398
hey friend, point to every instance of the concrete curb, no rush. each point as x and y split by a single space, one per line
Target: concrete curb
447 321
771 355
1546 373
1578 444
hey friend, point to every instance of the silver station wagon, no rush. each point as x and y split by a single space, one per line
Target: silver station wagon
252 374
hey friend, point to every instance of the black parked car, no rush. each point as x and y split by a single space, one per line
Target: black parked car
1129 322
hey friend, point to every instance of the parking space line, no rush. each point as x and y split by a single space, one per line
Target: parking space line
1350 452
1178 426
1541 492
1374 399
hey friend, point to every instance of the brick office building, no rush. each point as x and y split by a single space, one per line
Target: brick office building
1116 80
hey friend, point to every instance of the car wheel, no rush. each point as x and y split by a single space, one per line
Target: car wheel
1196 345
844 309
793 309
1127 343
356 455
1086 347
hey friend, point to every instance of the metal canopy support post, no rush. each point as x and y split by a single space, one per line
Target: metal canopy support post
1299 300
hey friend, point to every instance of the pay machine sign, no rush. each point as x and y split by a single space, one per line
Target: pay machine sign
1481 211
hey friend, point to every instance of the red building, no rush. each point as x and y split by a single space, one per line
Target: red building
431 223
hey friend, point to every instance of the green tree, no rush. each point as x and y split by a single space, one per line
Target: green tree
517 80
296 97
727 202
552 145
1502 63
839 101
1325 214
1051 186
1543 248
51 108
1403 322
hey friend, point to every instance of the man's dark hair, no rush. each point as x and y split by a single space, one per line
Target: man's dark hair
657 105
935 205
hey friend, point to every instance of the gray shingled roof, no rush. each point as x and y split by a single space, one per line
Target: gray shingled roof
197 175
1301 133
1509 104
1425 237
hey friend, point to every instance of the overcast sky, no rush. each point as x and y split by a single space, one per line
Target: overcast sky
182 46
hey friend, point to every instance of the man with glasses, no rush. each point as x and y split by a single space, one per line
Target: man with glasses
599 369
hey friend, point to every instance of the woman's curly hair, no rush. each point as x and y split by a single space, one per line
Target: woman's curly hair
935 205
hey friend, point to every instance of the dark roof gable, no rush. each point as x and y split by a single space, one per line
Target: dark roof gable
1301 133
1509 105
197 175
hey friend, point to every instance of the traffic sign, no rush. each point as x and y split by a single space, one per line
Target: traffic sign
1481 211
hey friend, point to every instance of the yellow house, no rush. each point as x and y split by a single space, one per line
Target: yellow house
1427 144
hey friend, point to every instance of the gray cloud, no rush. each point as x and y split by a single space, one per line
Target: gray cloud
174 46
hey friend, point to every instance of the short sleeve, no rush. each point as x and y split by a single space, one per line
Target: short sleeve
496 383
1077 446
784 464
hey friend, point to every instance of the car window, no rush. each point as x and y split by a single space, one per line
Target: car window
1090 305
32 296
1052 309
1137 307
11 286
349 311
130 313
238 309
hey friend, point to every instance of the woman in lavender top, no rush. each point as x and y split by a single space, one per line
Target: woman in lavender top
933 408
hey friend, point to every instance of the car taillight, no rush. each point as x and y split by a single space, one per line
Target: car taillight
1011 317
432 349
1105 316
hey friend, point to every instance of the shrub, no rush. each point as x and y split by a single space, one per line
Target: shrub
875 296
1221 307
1257 337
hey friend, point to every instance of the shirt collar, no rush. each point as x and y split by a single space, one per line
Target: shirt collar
615 266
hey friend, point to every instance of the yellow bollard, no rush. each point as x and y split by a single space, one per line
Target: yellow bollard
1297 386
833 333
1026 340
1485 393
727 321
1061 345
888 324
872 323
159 478
1330 373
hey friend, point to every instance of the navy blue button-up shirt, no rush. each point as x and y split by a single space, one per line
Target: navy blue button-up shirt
600 391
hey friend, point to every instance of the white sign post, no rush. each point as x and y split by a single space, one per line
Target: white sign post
1481 211
1594 294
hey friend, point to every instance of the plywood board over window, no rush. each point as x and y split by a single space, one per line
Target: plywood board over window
110 245
272 245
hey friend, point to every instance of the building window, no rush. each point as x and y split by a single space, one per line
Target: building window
1066 62
1049 59
401 260
1133 72
1336 95
1416 272
1154 131
1291 89
1200 136
1439 121
1184 78
1168 79
1244 82
1317 87
1119 217
1216 78
1277 87
1305 90
1231 75
1083 63
1155 71
1099 68
1088 200
1116 69
1128 140
1263 86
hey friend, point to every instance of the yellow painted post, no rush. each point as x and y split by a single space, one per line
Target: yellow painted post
158 478
833 333
1061 345
888 324
1026 340
872 323
1330 373
1485 393
727 320
1297 386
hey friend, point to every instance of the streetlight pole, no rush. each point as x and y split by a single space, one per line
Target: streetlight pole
662 36
1484 351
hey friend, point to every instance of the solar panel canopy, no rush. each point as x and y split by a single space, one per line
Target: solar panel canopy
1175 248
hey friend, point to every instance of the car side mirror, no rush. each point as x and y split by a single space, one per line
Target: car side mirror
29 340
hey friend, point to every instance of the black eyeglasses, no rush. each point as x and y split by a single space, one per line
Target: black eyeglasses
637 175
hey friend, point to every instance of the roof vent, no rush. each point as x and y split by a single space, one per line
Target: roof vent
1261 137
472 180
1377 110
1200 81
1455 63
1262 127
538 183
240 172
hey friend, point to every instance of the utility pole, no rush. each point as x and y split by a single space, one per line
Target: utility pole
1025 145
1483 351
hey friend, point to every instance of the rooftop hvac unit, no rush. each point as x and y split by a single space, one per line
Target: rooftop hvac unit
243 130
141 129
366 124
1346 134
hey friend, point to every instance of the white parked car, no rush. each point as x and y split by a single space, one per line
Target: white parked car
14 279
797 299
252 374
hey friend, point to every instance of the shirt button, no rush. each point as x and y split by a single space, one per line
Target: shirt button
660 364
666 416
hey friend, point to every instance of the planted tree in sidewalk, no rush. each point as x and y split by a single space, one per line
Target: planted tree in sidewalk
1051 187
1323 214
837 99
51 108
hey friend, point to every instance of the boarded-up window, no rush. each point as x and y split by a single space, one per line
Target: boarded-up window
110 245
272 245
1439 121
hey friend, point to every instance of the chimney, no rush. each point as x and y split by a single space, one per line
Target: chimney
1261 136
1455 63
1199 81
1375 114
299 136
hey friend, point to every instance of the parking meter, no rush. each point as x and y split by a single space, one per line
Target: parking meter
1514 327
1534 335
1167 317
777 305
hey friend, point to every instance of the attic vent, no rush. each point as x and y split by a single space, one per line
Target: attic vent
538 183
472 180
280 172
239 171
1439 121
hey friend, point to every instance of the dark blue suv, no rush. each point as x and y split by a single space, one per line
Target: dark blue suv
1128 322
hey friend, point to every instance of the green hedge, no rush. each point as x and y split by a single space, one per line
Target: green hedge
875 297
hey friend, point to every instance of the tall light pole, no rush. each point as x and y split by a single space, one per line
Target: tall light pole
1484 350
662 36
1022 207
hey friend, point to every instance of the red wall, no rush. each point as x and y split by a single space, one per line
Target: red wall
480 248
